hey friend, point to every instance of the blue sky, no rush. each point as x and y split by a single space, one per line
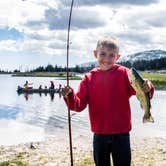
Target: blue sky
13 34
34 32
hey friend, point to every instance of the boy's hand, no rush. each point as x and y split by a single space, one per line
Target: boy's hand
146 86
66 91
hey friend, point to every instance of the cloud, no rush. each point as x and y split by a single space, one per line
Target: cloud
35 25
38 36
130 18
138 25
136 36
107 2
8 45
57 44
155 19
82 18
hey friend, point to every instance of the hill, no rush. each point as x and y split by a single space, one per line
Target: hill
145 55
146 60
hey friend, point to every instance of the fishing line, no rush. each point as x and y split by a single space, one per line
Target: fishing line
67 78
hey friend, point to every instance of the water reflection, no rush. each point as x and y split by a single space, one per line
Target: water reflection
26 95
33 117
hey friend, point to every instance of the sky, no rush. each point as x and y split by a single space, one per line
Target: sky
34 32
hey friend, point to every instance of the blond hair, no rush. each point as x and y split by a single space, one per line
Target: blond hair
108 42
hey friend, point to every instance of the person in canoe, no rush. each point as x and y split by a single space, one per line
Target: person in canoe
60 87
52 86
27 85
40 87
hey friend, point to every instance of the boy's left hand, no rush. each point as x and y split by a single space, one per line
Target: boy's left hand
146 86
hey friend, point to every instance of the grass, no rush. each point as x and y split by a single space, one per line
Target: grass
14 163
86 161
89 162
61 75
17 160
158 79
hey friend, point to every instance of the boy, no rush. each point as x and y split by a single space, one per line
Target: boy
106 89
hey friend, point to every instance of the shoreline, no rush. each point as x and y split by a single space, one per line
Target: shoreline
146 151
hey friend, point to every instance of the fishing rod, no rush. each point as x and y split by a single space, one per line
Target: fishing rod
67 78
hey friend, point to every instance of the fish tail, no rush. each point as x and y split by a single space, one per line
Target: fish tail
148 119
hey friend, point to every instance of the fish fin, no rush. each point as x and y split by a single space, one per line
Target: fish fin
150 106
148 119
141 106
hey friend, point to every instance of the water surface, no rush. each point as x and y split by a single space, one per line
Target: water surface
34 117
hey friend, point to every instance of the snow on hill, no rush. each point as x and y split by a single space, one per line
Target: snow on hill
145 55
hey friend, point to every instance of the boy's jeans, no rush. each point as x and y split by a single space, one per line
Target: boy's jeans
117 144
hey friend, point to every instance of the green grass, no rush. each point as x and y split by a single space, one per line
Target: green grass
62 75
14 163
86 161
158 79
89 162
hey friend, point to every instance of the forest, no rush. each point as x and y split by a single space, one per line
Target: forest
142 65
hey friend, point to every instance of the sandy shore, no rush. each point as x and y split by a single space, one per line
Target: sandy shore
55 151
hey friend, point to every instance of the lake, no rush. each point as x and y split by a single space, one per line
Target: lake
35 118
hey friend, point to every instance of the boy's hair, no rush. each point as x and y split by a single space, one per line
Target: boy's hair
109 42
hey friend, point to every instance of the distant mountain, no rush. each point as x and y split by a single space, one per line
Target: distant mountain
145 55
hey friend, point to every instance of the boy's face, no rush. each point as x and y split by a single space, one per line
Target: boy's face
106 57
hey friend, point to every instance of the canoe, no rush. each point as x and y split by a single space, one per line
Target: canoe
32 90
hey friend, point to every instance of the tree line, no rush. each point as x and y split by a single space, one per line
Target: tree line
156 64
51 68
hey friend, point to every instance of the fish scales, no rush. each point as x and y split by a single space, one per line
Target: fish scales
144 98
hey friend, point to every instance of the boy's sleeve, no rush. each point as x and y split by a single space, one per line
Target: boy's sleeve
78 101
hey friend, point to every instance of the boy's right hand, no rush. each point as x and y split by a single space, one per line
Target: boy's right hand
66 91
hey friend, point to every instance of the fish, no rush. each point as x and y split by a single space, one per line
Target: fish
144 98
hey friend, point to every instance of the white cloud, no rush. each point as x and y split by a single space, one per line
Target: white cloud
8 45
18 12
107 2
138 25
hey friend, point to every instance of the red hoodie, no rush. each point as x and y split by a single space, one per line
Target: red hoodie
107 94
